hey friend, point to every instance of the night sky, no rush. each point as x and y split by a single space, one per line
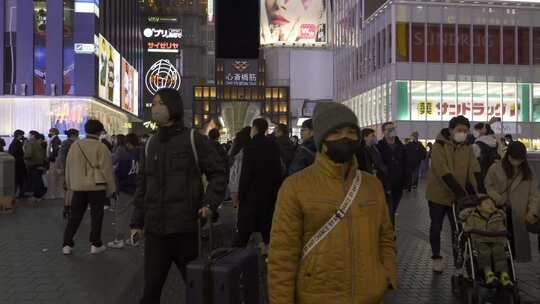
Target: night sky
237 28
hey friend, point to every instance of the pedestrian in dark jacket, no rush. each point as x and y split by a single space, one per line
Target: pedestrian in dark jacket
170 195
126 168
259 184
394 158
214 136
305 156
286 146
72 136
2 144
16 150
55 174
368 156
416 153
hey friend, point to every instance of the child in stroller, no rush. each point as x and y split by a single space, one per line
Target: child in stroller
486 225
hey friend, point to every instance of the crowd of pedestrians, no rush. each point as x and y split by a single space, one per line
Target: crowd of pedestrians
325 204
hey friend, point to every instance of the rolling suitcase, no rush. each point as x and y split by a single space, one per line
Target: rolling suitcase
223 276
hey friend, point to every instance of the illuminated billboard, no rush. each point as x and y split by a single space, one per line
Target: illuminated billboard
109 72
295 21
130 88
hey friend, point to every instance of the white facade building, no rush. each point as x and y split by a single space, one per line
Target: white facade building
419 63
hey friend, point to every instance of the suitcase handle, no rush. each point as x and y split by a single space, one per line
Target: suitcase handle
210 232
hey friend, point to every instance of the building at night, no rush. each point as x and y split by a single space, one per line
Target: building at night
63 62
179 48
420 63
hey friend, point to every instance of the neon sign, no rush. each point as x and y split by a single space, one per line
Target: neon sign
162 74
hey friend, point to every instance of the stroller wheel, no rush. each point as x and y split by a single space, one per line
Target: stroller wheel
456 284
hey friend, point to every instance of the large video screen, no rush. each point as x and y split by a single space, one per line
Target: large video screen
130 88
109 72
293 21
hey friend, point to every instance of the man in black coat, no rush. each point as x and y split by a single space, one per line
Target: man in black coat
305 156
170 195
16 150
260 180
286 146
394 158
416 153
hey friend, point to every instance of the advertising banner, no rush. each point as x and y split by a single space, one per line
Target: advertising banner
240 72
293 21
130 88
109 72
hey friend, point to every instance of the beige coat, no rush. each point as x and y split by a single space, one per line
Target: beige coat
448 157
523 196
94 174
354 264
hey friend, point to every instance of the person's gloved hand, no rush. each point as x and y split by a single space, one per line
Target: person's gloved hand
66 212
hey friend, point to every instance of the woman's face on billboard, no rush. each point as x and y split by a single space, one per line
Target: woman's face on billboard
283 12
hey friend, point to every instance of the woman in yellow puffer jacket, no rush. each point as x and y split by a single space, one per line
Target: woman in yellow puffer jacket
355 262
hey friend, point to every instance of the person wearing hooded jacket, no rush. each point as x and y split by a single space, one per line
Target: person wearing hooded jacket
453 175
16 150
170 197
356 261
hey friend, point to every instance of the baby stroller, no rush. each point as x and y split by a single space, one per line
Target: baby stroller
471 284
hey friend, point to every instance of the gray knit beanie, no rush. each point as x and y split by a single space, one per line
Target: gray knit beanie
329 116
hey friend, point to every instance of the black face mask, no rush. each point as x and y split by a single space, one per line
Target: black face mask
342 150
50 135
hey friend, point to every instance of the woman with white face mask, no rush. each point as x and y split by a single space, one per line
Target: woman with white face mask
512 185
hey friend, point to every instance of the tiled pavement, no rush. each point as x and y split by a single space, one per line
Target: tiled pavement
33 270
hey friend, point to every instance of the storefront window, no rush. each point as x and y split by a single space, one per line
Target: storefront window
536 103
434 43
402 97
464 44
402 42
536 46
449 43
479 101
382 53
479 42
509 45
433 100
448 107
509 102
464 105
419 107
523 45
494 44
494 108
388 45
69 52
524 102
418 42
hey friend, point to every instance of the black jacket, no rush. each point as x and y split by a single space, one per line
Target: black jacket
55 145
305 156
287 151
370 160
416 153
395 160
16 150
260 178
222 156
169 185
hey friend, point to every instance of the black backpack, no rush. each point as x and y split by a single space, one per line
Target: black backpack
488 156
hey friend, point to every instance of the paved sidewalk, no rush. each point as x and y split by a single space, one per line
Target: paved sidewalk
33 270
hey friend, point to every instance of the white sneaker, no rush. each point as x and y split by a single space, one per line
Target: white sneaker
97 250
66 250
438 265
116 244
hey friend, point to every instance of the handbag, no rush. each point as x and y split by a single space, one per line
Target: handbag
96 175
336 218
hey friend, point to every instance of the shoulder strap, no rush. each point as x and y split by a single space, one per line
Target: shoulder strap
85 157
194 149
336 218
